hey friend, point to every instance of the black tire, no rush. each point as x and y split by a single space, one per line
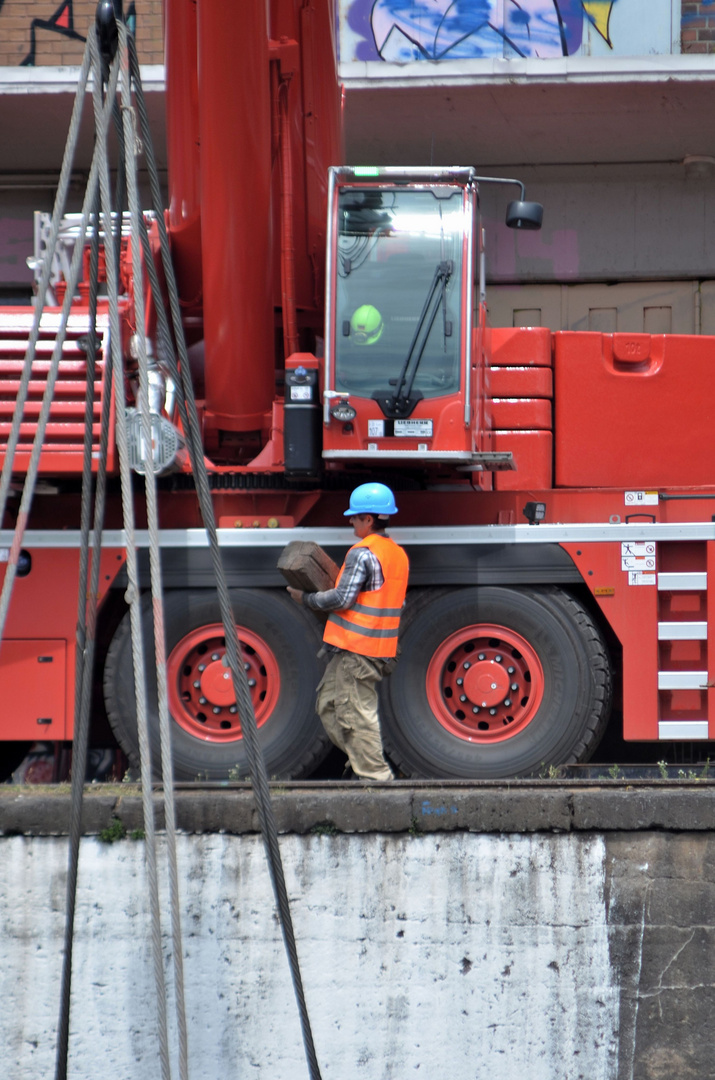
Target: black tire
562 709
290 733
12 754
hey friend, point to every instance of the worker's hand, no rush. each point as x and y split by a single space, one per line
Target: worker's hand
295 594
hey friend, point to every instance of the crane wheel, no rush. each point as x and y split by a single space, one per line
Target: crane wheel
496 682
279 643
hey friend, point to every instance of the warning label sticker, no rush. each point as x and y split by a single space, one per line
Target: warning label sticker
637 578
638 555
632 562
638 548
641 498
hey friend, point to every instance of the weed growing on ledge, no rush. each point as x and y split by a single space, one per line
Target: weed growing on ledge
115 831
324 828
550 772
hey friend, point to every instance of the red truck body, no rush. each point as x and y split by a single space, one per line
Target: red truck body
556 491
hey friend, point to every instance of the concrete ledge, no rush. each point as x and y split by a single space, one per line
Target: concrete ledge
56 79
364 74
405 806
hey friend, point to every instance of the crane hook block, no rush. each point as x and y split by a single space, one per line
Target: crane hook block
108 11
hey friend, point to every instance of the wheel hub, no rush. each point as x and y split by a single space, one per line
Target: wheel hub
217 684
485 683
202 699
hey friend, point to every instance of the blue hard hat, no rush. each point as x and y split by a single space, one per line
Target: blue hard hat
372 499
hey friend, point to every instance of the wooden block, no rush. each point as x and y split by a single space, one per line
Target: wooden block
306 566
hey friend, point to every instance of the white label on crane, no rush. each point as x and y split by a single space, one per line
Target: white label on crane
633 562
636 578
414 428
641 498
637 547
300 393
4 554
375 429
638 555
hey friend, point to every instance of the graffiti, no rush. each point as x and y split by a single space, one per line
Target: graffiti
61 22
52 21
402 30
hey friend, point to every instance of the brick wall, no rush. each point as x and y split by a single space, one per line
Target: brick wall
697 23
42 32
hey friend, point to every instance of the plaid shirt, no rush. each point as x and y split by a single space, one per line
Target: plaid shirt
362 573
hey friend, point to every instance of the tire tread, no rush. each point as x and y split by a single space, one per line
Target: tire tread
121 708
589 652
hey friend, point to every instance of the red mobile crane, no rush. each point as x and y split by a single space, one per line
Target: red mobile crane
555 491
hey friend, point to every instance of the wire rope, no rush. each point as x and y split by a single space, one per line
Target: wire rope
85 620
104 108
256 764
132 144
134 600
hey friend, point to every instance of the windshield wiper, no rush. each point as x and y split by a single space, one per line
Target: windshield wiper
400 403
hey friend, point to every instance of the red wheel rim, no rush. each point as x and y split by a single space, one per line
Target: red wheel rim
485 683
201 696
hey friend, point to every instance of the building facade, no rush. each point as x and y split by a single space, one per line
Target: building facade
602 107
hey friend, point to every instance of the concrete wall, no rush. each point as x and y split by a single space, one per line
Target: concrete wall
601 224
606 223
443 949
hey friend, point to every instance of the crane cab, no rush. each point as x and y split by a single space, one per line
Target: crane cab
400 322
404 357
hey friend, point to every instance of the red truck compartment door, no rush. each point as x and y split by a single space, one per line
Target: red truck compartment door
32 689
634 410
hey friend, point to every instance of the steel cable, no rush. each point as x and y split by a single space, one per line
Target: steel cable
86 497
85 629
257 768
133 598
81 716
131 148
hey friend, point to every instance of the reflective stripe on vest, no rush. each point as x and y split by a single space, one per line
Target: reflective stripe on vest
371 625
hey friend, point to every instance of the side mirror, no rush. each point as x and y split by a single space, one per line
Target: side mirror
524 215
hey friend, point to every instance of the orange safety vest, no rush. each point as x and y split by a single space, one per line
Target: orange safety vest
370 626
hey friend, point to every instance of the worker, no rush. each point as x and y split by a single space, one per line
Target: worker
361 632
366 325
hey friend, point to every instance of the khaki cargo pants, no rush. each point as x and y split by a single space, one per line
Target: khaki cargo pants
347 707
